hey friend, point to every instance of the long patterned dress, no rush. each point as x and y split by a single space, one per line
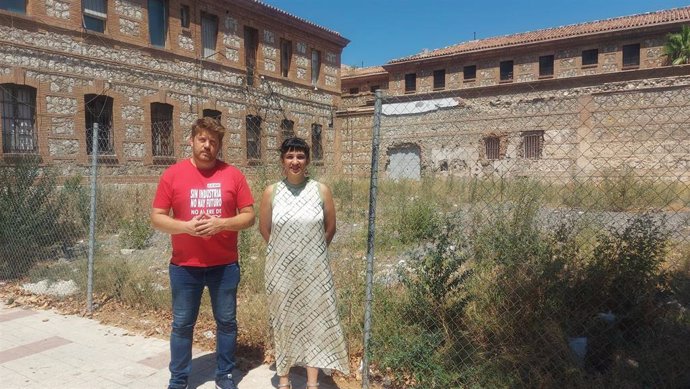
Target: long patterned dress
299 283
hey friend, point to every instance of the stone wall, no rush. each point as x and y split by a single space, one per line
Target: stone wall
588 131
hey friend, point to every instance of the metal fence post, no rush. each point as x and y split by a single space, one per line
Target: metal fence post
373 186
92 217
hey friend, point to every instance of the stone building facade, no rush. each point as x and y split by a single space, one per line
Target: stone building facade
559 103
144 70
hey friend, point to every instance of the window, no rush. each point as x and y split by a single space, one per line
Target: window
440 79
410 82
185 16
469 73
95 14
315 66
590 57
98 112
162 130
493 147
354 91
18 109
631 55
285 57
251 47
253 124
209 34
532 144
506 71
158 22
316 143
287 129
546 66
374 88
18 6
212 113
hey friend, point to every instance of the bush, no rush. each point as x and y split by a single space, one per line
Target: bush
30 217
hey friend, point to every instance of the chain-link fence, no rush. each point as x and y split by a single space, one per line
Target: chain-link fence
533 239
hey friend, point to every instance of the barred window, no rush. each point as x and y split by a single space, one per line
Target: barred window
532 144
253 127
95 14
492 146
98 112
18 104
212 113
316 142
287 129
162 130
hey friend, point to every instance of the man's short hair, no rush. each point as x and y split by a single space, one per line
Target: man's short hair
208 124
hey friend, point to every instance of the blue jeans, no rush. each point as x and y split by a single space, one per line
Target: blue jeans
187 285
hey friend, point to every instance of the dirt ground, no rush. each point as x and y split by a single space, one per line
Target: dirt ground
149 323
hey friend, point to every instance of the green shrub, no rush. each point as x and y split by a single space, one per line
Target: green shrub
30 217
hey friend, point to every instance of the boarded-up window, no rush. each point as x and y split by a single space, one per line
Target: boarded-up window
532 144
253 128
469 73
18 108
18 6
162 130
404 162
98 112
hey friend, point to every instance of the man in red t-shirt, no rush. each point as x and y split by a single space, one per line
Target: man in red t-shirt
210 202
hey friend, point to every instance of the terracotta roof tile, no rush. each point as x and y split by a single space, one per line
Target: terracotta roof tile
614 24
276 9
347 71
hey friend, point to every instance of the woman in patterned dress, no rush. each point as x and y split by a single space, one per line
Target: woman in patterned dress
297 219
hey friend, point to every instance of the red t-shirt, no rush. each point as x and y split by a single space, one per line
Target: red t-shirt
189 191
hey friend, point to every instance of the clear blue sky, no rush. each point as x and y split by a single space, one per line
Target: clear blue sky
381 30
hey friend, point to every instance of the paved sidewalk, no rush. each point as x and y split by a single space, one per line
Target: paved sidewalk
44 349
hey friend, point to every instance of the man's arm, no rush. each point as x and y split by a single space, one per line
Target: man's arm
162 221
328 213
208 226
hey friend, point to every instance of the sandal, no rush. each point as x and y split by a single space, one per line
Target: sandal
316 385
288 385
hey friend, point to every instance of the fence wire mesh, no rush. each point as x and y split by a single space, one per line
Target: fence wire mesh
533 239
